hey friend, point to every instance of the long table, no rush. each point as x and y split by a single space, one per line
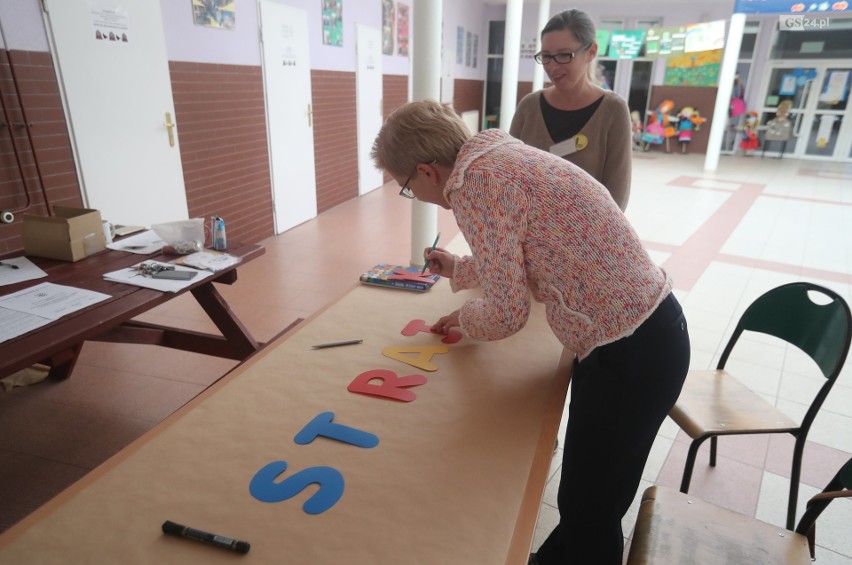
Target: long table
59 343
456 474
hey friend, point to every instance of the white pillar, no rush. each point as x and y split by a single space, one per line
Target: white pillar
723 93
538 70
425 84
511 58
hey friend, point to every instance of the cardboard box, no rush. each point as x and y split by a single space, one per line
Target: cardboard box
70 235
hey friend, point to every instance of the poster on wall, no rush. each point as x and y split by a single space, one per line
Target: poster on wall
388 20
788 85
475 48
694 69
110 23
402 30
218 14
626 44
459 45
528 48
826 130
332 22
836 87
705 37
665 41
602 37
468 48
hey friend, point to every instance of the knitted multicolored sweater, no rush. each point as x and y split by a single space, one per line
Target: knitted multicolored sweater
538 224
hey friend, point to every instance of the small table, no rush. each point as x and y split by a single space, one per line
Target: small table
59 343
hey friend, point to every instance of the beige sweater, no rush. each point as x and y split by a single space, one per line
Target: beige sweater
607 157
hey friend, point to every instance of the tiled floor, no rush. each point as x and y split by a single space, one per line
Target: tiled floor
724 237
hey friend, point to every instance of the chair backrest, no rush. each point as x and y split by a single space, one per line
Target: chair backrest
823 331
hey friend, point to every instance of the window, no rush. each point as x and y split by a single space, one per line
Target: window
830 42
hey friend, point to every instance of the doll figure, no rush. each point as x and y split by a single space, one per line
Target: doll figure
779 127
636 128
750 142
659 129
738 106
688 120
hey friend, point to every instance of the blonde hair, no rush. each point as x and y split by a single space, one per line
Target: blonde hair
424 131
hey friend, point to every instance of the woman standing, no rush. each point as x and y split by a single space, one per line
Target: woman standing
575 118
541 228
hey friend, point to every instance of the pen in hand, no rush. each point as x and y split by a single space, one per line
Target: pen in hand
9 265
434 245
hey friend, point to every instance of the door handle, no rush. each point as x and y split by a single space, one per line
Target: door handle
310 115
170 126
797 127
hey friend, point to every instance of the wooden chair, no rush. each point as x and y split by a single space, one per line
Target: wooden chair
714 403
673 528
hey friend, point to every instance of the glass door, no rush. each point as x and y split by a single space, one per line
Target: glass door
830 128
814 97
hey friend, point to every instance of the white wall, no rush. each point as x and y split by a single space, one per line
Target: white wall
22 25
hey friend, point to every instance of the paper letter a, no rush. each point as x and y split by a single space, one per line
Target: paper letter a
424 355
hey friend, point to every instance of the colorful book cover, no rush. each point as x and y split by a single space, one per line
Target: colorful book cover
397 276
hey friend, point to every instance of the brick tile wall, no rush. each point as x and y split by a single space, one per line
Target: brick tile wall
43 106
222 130
394 94
335 137
468 95
221 122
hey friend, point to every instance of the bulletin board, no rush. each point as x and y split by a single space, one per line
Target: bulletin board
703 98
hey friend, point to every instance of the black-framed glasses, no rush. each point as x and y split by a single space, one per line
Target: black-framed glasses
561 58
405 192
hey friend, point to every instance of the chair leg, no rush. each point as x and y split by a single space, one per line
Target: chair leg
795 476
690 464
713 451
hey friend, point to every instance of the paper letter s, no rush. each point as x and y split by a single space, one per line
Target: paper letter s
264 488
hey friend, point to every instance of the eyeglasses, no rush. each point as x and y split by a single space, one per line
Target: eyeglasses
561 58
405 192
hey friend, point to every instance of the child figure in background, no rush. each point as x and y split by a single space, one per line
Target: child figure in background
780 127
750 142
636 128
688 120
659 128
738 106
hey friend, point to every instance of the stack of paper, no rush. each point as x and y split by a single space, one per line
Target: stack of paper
31 308
19 269
209 260
132 275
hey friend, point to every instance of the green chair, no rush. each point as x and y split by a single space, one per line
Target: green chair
714 403
673 527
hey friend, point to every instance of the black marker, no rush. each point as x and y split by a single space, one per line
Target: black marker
337 343
174 529
11 266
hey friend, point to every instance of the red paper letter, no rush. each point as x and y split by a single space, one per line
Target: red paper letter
390 387
417 326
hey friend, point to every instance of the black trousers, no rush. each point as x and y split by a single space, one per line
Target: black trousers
620 395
